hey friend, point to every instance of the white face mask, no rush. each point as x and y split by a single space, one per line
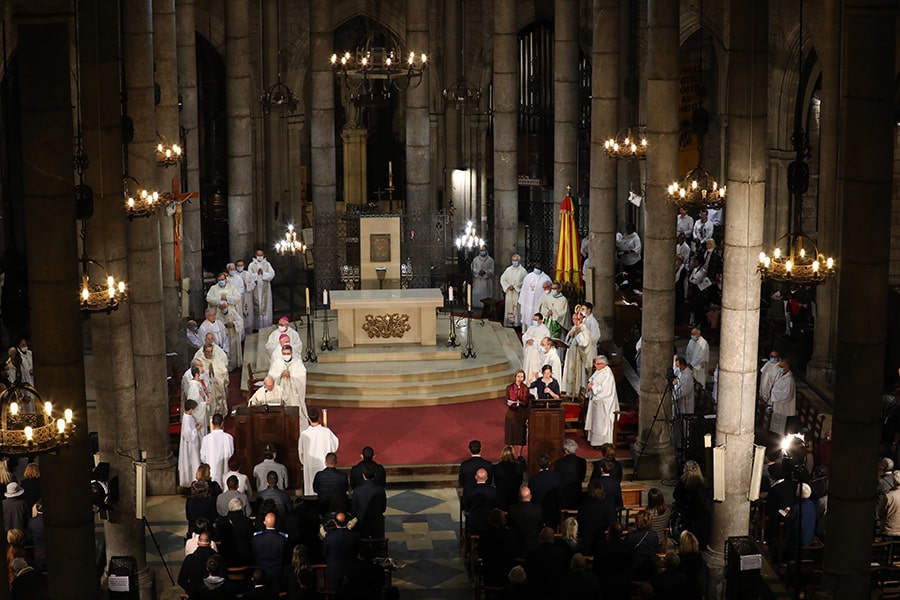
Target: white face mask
282 328
287 357
258 259
535 322
240 269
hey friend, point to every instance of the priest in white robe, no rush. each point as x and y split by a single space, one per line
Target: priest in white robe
532 359
230 319
482 277
767 375
210 326
315 442
783 398
555 308
215 365
531 293
247 300
579 356
263 274
549 356
697 354
266 394
284 328
216 450
236 280
27 362
511 284
197 393
290 381
222 290
603 404
188 447
590 321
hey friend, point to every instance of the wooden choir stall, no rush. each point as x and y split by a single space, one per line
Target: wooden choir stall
255 426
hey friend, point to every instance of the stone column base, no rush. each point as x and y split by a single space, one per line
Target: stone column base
715 574
161 476
655 462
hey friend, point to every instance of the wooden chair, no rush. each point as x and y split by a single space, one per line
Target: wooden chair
574 405
371 548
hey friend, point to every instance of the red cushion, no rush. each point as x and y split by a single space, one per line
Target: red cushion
573 411
175 429
628 418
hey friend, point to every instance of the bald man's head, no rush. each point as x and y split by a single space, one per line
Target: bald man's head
481 476
269 521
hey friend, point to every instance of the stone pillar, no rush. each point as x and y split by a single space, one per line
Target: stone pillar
144 260
659 236
191 240
605 81
419 198
106 241
355 164
738 365
237 107
565 103
778 200
453 119
321 123
506 134
53 281
820 370
867 126
166 77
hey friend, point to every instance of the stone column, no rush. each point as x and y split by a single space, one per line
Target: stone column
237 106
738 365
565 103
867 126
605 81
191 240
166 77
355 164
321 123
144 260
820 370
778 199
419 198
106 241
53 281
658 316
453 119
506 134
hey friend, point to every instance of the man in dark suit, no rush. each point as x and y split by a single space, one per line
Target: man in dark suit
277 495
341 548
545 490
331 486
269 550
478 500
526 519
193 568
603 473
368 458
571 469
369 504
470 466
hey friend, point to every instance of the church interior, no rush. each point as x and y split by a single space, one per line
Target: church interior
375 146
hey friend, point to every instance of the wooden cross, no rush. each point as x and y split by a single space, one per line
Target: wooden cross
179 198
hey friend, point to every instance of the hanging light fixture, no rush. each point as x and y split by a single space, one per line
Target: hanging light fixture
698 188
801 262
462 94
279 97
290 245
95 297
630 145
30 426
140 202
469 238
167 154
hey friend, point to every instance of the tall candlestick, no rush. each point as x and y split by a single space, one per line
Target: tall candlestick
469 296
325 417
307 300
390 175
451 294
324 297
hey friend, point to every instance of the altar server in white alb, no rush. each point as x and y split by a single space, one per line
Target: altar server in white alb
603 404
782 398
215 367
236 280
189 446
531 294
284 328
532 359
482 277
27 362
263 274
216 450
697 353
511 284
230 319
248 280
315 442
290 381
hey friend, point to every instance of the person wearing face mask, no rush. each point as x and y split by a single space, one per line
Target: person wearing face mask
234 325
697 354
284 328
511 284
482 277
222 290
27 362
590 321
211 326
236 281
549 356
530 295
767 375
263 273
249 284
555 308
684 390
290 381
579 357
782 398
532 359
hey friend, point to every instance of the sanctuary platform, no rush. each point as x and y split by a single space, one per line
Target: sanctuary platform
394 376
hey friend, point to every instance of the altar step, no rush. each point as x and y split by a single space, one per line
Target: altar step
388 354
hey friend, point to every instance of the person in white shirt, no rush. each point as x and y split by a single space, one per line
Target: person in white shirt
27 362
603 404
230 319
555 308
532 360
590 321
685 391
189 446
511 284
548 356
290 380
192 332
222 290
697 354
579 357
315 442
703 227
482 277
284 328
236 281
263 274
682 248
267 394
197 395
531 294
216 449
767 375
247 299
629 247
211 326
684 223
783 398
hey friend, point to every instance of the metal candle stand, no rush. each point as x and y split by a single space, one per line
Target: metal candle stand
470 348
326 336
451 336
310 340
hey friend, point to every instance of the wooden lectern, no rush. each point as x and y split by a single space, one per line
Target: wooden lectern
255 426
546 432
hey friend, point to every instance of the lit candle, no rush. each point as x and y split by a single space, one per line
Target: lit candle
451 294
68 415
14 408
325 417
324 296
48 408
469 296
29 433
61 425
390 175
307 300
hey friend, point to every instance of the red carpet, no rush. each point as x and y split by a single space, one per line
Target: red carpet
415 436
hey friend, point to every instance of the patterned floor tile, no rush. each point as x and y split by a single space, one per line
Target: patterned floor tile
412 502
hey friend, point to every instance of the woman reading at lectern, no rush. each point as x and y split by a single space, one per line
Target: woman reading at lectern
547 387
517 398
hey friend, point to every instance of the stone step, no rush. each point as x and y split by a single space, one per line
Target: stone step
402 399
377 388
406 373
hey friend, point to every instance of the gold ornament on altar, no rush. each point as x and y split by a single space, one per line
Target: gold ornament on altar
386 326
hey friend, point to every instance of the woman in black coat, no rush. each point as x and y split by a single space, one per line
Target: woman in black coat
508 478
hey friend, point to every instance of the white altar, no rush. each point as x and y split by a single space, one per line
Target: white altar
387 317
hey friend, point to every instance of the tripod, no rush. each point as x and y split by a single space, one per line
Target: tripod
666 392
158 549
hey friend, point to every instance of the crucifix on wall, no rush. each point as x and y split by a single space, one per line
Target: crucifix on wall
177 199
